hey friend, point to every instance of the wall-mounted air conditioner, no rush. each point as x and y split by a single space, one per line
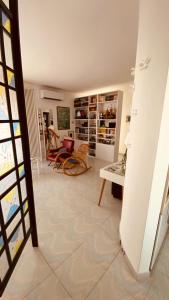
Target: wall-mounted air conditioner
51 95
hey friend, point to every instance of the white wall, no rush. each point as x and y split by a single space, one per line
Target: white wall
158 186
47 105
147 158
127 101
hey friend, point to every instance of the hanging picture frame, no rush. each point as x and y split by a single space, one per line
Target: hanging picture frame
71 134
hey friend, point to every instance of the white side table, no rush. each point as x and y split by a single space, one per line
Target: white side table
111 173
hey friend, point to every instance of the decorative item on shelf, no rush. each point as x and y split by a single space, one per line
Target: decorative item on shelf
85 124
92 146
92 116
82 137
108 136
92 123
93 99
92 130
102 130
92 108
83 130
77 103
81 114
107 130
112 125
101 115
78 114
112 131
84 101
111 97
80 102
102 123
92 138
112 113
107 114
102 99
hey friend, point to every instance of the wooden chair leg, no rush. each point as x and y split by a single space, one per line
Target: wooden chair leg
102 189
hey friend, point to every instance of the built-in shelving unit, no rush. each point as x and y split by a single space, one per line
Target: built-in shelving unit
97 122
92 115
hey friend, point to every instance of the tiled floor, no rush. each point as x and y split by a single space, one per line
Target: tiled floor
79 255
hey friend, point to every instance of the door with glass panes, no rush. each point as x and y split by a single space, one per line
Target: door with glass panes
17 213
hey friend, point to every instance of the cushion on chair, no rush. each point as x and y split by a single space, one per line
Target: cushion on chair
68 144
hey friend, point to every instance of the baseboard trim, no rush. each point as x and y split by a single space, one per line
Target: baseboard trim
138 276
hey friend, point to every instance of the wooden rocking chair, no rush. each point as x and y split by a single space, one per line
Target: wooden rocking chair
75 164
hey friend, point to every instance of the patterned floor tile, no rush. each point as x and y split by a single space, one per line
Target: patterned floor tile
118 283
56 244
80 241
111 226
159 289
30 271
49 289
80 272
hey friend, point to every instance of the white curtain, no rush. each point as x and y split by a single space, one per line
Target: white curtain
31 97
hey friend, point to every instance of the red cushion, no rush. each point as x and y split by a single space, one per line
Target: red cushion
68 144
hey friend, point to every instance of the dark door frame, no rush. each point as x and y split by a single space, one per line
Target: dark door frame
12 14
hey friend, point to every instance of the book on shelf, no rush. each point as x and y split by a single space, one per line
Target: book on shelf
97 121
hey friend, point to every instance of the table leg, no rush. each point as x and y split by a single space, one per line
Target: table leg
102 189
